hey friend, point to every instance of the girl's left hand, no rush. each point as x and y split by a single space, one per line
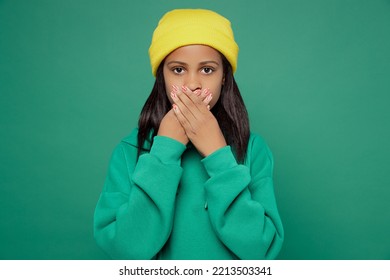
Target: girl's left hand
200 125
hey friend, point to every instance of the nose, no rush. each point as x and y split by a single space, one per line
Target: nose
193 82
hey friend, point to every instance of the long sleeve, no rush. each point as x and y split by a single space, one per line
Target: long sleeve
241 202
134 215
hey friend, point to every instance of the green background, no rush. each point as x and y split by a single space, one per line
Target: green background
315 76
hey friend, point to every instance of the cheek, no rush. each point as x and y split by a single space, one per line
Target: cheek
216 96
168 89
169 98
168 92
214 100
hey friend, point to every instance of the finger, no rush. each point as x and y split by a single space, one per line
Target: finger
182 119
198 92
200 98
204 93
190 100
206 96
208 99
184 105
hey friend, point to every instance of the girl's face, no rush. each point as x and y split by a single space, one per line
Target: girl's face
196 66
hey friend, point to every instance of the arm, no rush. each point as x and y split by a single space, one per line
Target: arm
241 202
134 214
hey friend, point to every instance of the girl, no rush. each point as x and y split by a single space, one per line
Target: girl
191 182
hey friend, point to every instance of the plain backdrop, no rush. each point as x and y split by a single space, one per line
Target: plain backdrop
315 76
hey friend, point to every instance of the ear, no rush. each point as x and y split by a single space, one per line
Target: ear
223 80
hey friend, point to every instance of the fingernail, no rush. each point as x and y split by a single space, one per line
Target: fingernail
208 98
175 88
184 88
197 92
174 107
205 92
208 107
173 95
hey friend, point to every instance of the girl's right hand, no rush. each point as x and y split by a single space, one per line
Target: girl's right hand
171 127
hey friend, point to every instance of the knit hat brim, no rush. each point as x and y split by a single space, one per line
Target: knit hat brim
180 28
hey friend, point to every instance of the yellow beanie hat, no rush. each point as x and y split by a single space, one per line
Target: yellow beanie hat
184 27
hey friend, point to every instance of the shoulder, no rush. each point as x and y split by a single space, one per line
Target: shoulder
126 151
256 141
127 148
132 140
258 150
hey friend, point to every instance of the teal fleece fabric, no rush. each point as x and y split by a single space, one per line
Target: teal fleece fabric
174 204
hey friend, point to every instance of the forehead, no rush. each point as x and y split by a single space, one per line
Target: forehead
194 53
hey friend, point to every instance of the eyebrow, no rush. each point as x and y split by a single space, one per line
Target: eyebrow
201 63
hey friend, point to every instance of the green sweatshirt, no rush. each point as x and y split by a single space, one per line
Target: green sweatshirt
174 204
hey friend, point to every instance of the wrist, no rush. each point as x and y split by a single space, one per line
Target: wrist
210 149
167 150
219 161
183 139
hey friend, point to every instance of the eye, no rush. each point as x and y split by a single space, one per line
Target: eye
207 70
178 70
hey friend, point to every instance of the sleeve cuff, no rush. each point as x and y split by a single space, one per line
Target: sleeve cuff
167 150
219 161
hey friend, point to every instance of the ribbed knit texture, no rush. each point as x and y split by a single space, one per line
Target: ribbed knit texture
184 27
